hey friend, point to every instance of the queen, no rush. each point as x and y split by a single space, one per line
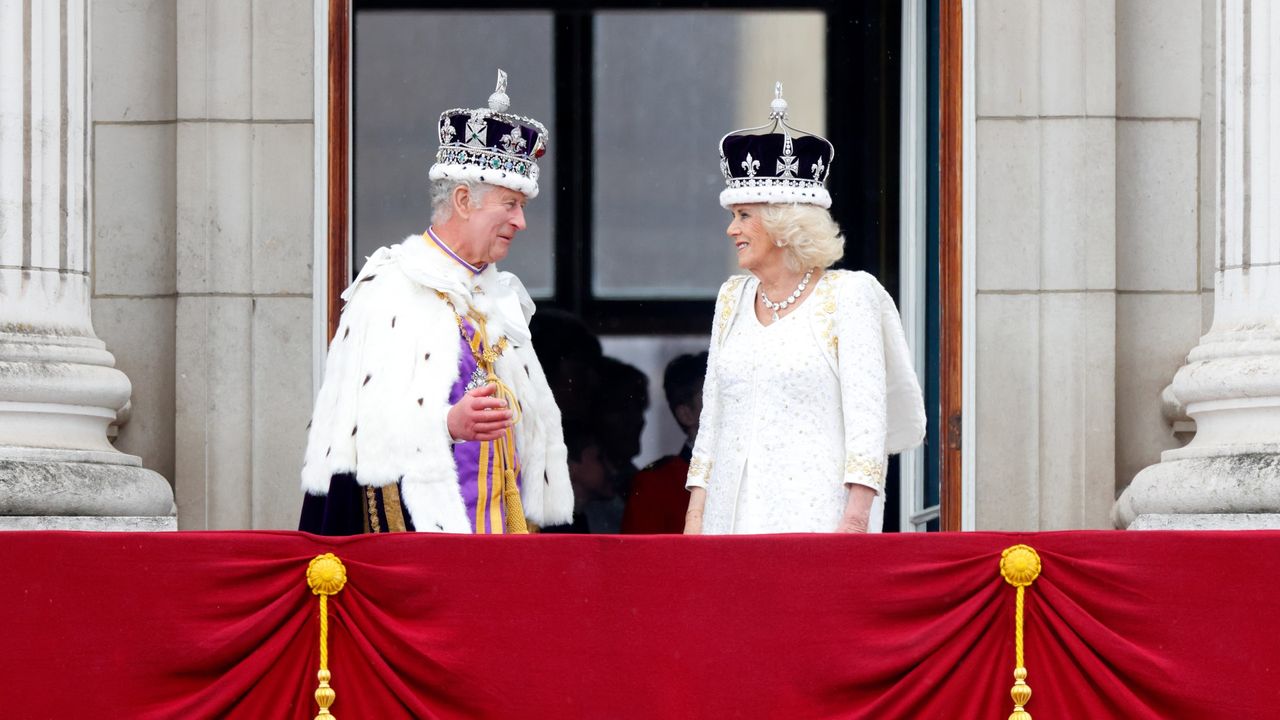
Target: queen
809 384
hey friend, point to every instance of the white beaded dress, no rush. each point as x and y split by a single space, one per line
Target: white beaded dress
796 411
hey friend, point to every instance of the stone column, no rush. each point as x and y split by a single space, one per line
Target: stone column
59 389
1228 476
1046 274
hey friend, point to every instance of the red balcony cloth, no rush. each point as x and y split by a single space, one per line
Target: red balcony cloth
217 625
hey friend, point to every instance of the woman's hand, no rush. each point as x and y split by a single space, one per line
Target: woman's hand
852 525
857 511
479 415
693 516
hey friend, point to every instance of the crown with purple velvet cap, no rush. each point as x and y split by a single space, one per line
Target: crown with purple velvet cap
775 163
490 145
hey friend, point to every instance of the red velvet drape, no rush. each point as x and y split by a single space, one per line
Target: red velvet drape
212 625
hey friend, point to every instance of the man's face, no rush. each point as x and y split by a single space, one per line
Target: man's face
492 226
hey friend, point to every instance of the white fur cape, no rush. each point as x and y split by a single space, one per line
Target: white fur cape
381 411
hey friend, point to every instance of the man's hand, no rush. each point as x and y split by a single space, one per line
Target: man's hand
479 415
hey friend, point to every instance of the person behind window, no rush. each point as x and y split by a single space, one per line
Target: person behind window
570 355
434 414
589 474
658 498
618 415
809 382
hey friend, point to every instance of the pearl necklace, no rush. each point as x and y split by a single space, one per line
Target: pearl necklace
775 307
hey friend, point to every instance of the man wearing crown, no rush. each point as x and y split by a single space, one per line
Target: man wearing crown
434 414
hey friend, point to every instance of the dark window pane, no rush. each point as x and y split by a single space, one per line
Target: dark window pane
668 86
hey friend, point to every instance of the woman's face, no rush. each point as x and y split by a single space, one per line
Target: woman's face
756 249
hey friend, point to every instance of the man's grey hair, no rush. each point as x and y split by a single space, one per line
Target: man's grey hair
442 197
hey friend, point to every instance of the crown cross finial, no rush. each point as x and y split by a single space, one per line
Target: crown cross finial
778 108
498 101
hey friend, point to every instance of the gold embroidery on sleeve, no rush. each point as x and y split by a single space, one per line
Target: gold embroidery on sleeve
867 468
700 470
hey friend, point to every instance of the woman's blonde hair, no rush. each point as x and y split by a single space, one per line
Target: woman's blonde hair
809 237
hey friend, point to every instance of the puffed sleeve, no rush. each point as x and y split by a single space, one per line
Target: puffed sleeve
704 446
860 363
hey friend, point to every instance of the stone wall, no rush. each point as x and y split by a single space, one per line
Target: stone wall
203 151
1089 250
1094 200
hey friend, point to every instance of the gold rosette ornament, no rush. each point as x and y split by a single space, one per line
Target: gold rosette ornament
326 575
1019 566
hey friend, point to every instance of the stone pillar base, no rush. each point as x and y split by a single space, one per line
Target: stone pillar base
1218 521
1203 489
81 490
158 523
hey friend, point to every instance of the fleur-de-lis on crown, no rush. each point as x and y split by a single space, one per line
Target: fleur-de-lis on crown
447 132
817 169
724 166
513 141
750 165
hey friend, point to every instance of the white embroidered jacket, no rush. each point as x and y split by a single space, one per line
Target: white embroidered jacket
878 410
382 408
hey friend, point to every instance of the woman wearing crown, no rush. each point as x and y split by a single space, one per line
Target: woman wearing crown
809 382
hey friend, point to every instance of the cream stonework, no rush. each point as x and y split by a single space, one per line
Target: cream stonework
1126 269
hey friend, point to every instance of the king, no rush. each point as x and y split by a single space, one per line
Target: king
434 414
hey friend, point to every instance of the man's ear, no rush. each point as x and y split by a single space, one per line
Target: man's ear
462 202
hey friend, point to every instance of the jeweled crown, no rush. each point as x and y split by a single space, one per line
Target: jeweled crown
775 163
490 145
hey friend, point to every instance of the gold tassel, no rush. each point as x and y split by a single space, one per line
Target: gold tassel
326 575
505 451
1020 566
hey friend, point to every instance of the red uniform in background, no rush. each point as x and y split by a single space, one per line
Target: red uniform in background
658 498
